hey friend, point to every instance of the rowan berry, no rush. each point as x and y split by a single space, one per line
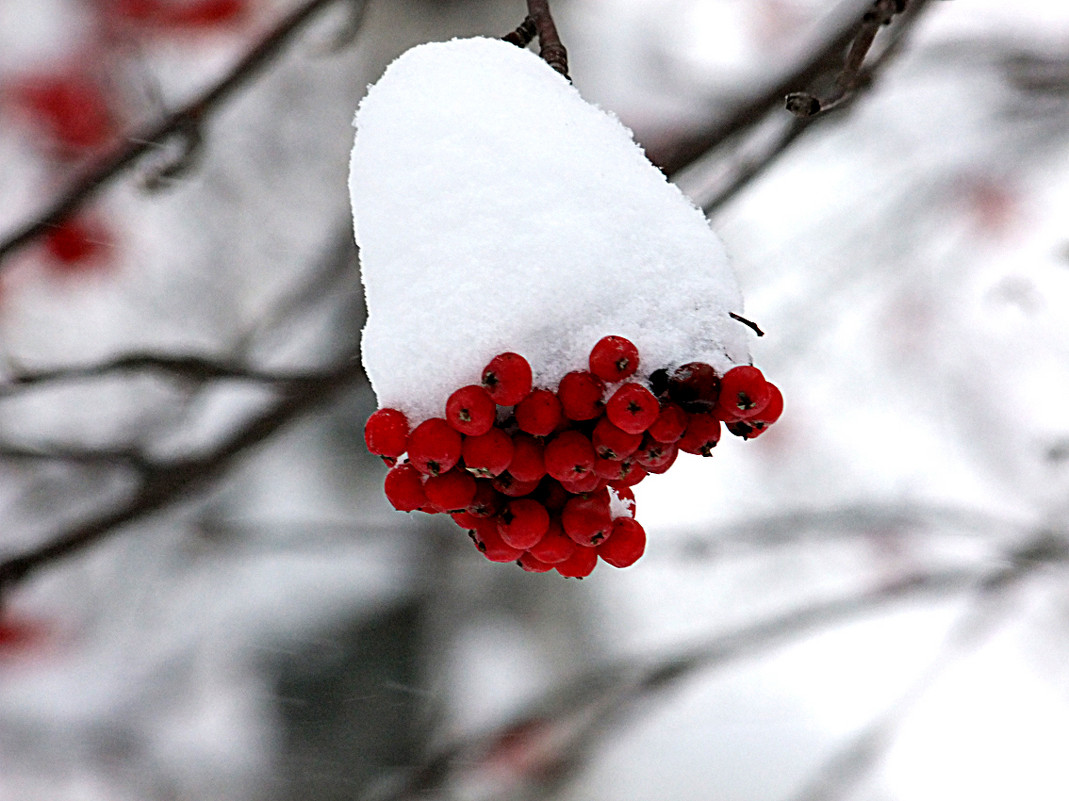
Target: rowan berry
528 462
670 424
612 442
702 434
488 454
761 420
553 495
588 482
555 546
625 544
613 359
487 501
513 487
630 476
466 520
579 565
632 408
523 523
581 395
487 539
656 457
694 386
76 244
568 456
386 433
507 378
404 488
533 565
613 469
450 492
471 410
434 446
586 518
743 393
539 413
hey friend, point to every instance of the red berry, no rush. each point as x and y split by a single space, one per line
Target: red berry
579 565
612 470
513 487
770 414
553 495
72 109
580 395
532 564
625 544
470 410
632 408
450 492
613 359
743 393
656 457
466 520
611 442
488 454
568 456
539 413
76 243
586 518
528 462
386 433
488 540
670 424
204 14
404 488
507 378
588 482
694 386
487 501
555 546
702 434
434 446
523 523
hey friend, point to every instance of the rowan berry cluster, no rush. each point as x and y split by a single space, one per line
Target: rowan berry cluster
543 478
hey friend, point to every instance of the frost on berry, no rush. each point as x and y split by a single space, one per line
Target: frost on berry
434 447
386 433
613 359
507 378
471 410
632 408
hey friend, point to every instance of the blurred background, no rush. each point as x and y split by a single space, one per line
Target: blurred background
204 594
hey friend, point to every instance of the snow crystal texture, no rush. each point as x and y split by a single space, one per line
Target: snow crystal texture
496 211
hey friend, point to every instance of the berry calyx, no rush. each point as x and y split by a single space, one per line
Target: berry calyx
487 455
523 523
569 456
487 501
611 442
404 488
656 457
507 378
539 413
743 393
694 386
386 433
434 447
702 434
625 544
581 395
470 410
632 408
613 359
513 487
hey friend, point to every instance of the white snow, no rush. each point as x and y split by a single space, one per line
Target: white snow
496 210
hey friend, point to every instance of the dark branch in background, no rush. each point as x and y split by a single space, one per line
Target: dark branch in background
824 60
572 718
539 22
165 483
803 104
185 123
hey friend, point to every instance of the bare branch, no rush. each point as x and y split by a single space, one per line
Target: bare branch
164 484
190 117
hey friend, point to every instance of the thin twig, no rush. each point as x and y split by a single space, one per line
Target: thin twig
166 483
191 116
523 35
550 48
77 454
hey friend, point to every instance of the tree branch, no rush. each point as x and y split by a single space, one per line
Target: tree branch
186 123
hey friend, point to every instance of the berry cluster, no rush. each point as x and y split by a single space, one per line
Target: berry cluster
543 478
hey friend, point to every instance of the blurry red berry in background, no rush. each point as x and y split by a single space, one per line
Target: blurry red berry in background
179 15
70 110
77 244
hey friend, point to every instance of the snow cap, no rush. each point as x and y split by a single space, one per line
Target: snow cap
496 210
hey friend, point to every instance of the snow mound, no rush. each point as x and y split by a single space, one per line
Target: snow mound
496 210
